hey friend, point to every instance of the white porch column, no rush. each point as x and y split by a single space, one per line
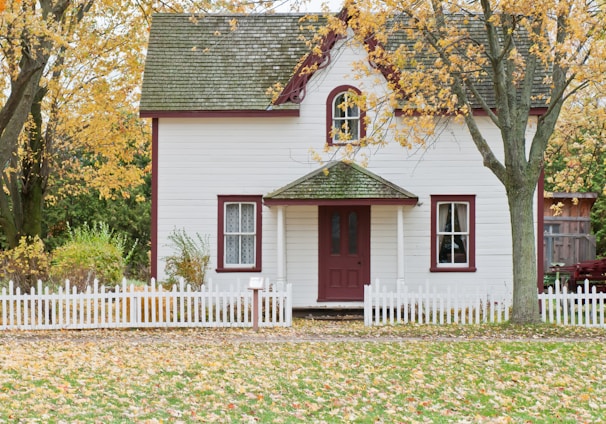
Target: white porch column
281 245
400 249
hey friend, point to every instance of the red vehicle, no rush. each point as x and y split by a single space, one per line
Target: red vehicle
594 271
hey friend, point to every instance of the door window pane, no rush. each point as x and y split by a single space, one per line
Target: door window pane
353 233
335 234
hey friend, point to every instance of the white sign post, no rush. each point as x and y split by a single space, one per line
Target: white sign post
255 284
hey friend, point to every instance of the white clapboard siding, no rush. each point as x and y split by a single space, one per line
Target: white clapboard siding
269 153
585 307
428 306
127 306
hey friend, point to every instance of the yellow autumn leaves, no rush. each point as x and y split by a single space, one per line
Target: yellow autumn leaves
577 151
221 376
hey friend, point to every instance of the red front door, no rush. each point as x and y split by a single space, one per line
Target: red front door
344 252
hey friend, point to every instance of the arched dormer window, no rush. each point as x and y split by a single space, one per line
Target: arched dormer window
344 119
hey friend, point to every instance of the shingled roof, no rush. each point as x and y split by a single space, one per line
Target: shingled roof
339 181
205 64
227 62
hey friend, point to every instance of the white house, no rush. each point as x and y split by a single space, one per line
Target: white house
230 164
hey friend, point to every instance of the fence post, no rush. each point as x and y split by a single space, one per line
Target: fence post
367 304
587 300
289 304
255 311
255 284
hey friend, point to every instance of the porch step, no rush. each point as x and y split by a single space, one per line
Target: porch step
330 314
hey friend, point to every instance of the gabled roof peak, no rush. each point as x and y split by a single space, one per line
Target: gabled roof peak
320 58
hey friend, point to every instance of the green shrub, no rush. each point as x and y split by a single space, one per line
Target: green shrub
91 252
190 261
25 264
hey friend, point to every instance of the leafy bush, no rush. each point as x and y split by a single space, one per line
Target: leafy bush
91 252
25 264
190 261
127 216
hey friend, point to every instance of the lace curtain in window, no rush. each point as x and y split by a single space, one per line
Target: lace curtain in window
240 233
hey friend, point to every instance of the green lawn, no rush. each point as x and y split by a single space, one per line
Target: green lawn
314 372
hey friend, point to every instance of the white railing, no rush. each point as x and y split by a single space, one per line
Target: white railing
428 306
585 307
124 306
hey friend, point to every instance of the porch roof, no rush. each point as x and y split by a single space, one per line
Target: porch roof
341 183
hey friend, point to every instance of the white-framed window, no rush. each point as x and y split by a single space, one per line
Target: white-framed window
344 118
453 233
239 233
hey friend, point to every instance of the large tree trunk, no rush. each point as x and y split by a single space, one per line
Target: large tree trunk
32 202
21 211
525 304
22 201
11 213
34 173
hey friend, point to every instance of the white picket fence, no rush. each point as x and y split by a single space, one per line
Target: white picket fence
428 306
585 307
128 306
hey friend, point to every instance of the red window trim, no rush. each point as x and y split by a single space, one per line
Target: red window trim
331 96
471 199
222 199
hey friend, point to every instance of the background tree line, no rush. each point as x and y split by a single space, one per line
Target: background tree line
72 147
576 157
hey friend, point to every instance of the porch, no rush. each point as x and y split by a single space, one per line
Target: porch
334 204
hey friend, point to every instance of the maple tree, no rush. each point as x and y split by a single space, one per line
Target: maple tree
72 71
576 156
69 123
495 69
577 149
72 145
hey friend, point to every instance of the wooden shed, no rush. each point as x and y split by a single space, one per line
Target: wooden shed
567 236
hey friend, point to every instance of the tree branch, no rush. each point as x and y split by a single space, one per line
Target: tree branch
18 88
488 157
499 73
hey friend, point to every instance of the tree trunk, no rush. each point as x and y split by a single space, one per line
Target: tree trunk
21 211
10 232
32 202
525 300
33 178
